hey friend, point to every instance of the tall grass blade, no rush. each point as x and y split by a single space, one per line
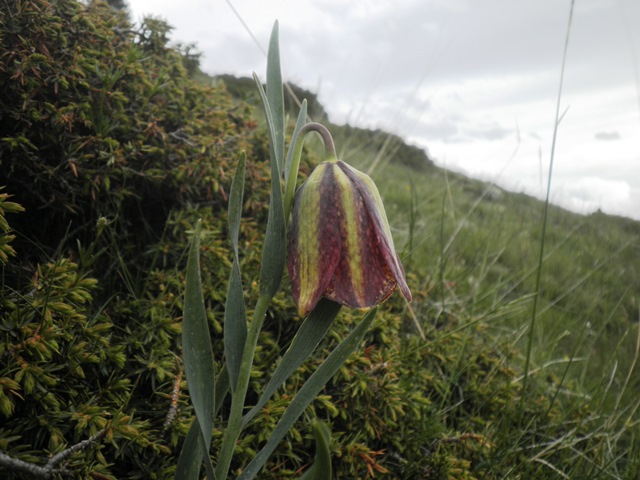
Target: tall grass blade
235 317
234 424
273 254
532 323
308 392
309 335
273 257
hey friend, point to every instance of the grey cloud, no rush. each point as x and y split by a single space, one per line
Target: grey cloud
613 135
472 133
408 67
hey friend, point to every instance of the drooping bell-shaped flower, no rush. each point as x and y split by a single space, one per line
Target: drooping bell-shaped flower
340 244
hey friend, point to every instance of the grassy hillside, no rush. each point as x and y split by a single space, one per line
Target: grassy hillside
478 245
115 144
474 244
474 249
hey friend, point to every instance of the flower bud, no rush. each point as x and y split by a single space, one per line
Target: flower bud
340 244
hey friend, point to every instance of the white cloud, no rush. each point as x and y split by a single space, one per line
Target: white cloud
473 82
586 194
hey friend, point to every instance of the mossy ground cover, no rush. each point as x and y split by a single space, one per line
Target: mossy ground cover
114 147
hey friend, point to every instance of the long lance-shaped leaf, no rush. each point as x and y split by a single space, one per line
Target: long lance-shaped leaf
275 95
196 346
235 317
269 117
222 388
193 452
271 270
289 168
307 393
191 455
273 253
292 163
274 246
321 468
312 330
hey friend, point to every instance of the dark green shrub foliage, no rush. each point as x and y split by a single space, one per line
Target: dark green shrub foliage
98 120
114 151
103 135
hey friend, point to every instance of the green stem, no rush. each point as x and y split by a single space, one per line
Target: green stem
234 426
298 143
532 323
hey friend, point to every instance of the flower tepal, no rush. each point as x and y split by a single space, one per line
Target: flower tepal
340 244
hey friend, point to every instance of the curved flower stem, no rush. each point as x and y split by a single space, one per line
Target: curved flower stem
297 144
234 426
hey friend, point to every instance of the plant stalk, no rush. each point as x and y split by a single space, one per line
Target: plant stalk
234 425
298 143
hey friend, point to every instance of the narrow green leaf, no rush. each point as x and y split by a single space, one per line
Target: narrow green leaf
211 473
234 423
235 324
312 330
190 460
192 455
273 253
293 161
275 95
236 195
267 113
307 393
321 468
222 388
300 122
235 317
196 344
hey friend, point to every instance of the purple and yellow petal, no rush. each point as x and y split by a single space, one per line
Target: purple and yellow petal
340 242
314 254
373 203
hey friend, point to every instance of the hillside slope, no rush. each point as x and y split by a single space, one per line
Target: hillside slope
115 151
485 241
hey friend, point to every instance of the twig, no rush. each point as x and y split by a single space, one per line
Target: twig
178 136
24 467
50 469
173 409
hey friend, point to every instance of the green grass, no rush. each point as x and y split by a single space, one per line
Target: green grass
478 246
475 249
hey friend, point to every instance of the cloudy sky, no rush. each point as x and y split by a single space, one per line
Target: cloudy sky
473 82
